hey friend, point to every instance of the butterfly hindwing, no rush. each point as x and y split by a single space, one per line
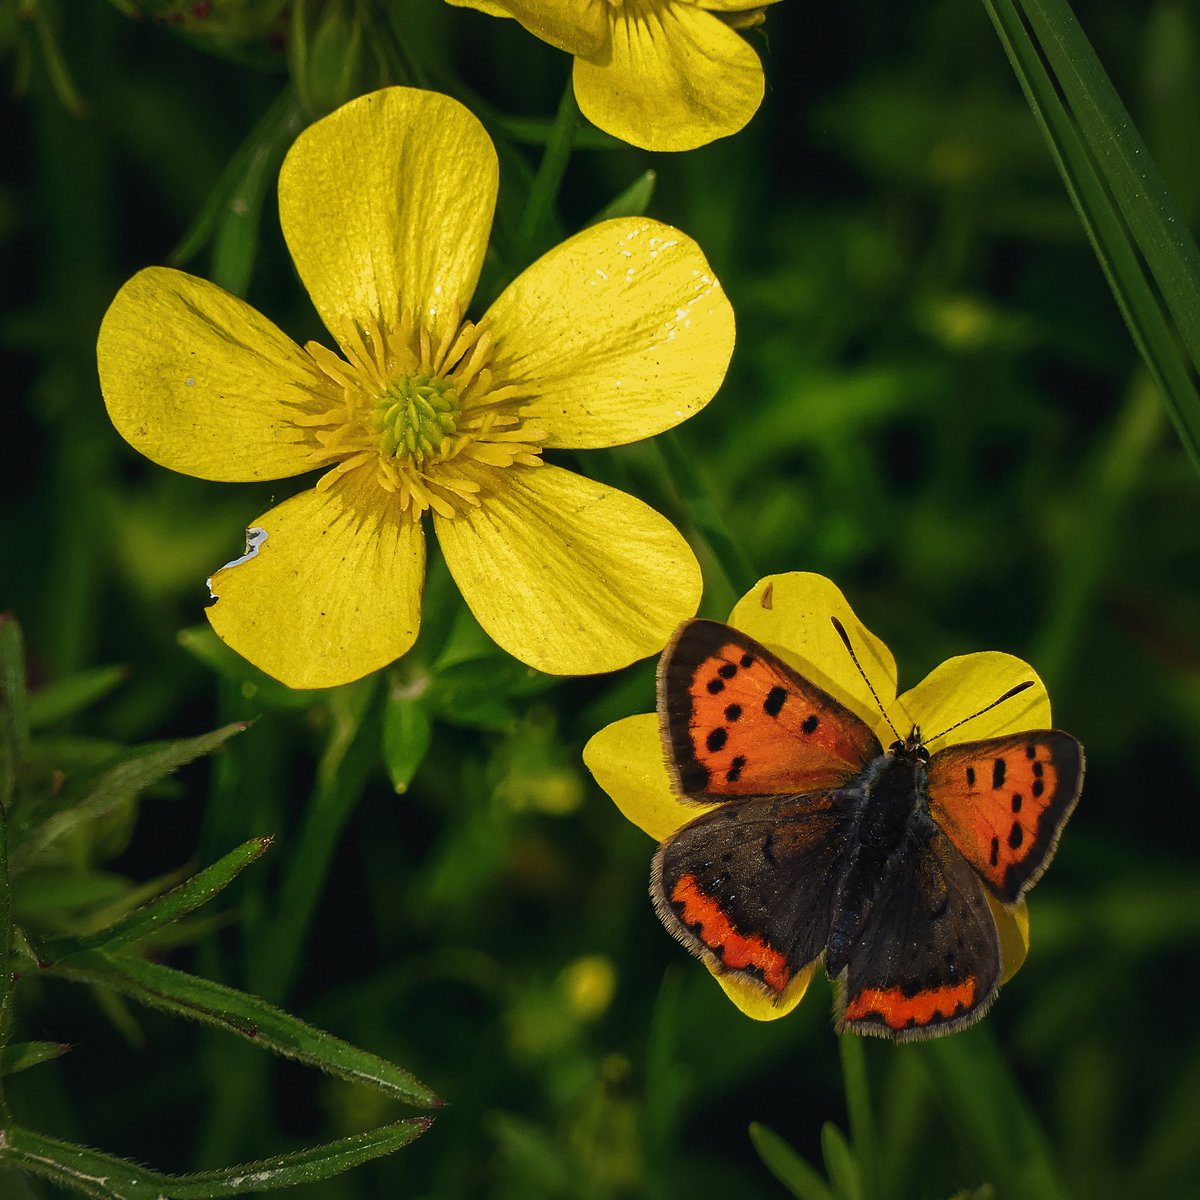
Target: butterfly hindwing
927 960
749 887
1003 803
738 721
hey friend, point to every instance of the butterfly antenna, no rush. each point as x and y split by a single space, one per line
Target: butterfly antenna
1016 691
841 631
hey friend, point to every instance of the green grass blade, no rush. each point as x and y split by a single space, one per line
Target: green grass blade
634 201
858 1107
109 1178
840 1164
130 774
14 715
1139 304
22 1055
64 698
1139 189
160 912
802 1180
226 1008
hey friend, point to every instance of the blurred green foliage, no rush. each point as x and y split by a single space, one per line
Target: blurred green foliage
933 400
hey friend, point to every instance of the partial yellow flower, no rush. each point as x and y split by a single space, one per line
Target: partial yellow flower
619 333
790 614
660 74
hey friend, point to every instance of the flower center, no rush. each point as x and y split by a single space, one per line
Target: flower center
415 415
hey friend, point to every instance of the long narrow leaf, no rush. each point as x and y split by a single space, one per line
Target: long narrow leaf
22 1055
126 777
65 697
14 718
160 912
226 1008
1140 191
109 1178
804 1181
1139 304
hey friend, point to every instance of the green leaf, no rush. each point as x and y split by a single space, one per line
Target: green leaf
407 733
146 921
22 1055
117 782
108 1178
256 686
14 715
801 1179
226 1008
1140 305
632 202
839 1163
66 697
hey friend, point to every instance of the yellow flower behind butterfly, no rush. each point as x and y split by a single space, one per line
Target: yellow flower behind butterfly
659 74
790 615
619 333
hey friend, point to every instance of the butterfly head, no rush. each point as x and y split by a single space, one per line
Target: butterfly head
912 747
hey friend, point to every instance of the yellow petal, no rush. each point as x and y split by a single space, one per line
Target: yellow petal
334 590
1012 924
962 686
626 759
200 382
617 334
576 26
567 575
386 205
676 78
756 1003
792 615
731 6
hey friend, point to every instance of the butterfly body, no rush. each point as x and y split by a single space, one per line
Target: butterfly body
824 846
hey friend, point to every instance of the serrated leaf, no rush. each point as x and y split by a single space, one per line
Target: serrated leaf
805 1182
839 1163
117 782
21 1055
148 920
65 697
109 1178
226 1008
407 733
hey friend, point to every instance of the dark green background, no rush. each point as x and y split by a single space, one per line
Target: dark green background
933 400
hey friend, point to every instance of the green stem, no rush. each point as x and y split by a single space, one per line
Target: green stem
858 1107
723 548
546 183
6 976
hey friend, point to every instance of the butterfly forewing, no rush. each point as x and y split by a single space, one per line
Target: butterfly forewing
738 721
1003 803
749 887
927 959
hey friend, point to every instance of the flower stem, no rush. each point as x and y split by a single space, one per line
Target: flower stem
724 549
546 183
858 1107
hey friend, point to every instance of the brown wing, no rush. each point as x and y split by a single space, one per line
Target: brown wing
738 721
1003 803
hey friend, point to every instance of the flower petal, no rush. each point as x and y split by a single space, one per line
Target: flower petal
1012 924
200 382
617 334
731 6
334 591
386 205
626 759
676 78
964 685
570 576
791 614
755 1003
576 26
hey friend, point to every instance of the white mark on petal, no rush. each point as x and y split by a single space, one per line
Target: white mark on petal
190 381
255 536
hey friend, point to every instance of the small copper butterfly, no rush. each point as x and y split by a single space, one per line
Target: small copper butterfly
825 846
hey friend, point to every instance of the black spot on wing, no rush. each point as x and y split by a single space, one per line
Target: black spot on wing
716 739
998 769
773 704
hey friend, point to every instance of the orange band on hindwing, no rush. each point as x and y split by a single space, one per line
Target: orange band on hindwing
735 950
898 1011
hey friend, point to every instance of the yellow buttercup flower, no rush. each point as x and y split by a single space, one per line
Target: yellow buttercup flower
619 333
791 615
660 74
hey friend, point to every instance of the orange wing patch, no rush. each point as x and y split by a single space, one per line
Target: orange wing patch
893 1008
1003 803
735 950
738 721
